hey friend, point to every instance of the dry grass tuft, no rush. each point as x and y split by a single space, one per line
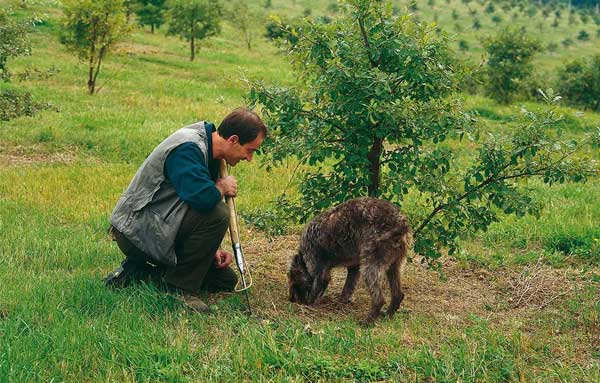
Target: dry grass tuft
537 286
17 155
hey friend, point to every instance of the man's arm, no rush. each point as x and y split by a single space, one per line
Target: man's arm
187 171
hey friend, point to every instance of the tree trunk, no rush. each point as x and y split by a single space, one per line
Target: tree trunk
192 49
192 41
91 82
152 28
374 157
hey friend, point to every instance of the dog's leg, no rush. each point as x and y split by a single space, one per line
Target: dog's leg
393 276
351 279
320 283
372 275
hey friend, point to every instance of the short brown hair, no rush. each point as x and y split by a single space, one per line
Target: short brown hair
243 123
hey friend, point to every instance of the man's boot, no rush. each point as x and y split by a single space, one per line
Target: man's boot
129 271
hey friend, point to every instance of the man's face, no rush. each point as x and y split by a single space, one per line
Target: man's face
240 152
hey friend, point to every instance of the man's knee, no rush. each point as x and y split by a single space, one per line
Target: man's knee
220 214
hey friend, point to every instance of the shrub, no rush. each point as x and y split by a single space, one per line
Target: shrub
567 42
579 82
583 36
510 54
13 41
15 103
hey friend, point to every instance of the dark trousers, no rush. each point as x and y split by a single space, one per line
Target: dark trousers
197 241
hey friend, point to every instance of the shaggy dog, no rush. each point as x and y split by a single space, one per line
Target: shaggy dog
368 236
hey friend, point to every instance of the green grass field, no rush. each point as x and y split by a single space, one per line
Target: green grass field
519 303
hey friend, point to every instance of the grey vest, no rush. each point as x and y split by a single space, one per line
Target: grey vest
149 213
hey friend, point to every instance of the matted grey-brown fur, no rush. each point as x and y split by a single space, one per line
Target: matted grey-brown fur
368 236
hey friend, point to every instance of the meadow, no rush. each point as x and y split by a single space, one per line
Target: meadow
520 302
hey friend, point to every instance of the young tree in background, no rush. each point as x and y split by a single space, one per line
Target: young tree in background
151 12
91 29
194 20
510 54
579 82
13 41
245 20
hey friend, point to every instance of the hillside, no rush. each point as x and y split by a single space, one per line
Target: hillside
519 302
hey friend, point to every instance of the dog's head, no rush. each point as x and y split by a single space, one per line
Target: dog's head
300 281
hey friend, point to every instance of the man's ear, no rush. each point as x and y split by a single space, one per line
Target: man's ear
233 139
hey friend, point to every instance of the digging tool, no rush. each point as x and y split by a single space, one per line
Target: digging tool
245 280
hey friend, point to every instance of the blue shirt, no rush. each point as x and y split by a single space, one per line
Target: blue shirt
192 178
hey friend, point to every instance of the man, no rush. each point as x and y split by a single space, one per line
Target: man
171 219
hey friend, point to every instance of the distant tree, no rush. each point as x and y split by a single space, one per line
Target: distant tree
510 53
540 26
532 11
463 45
129 6
555 23
546 13
473 12
476 24
307 12
490 8
91 29
267 4
496 19
579 82
151 12
245 20
583 35
584 18
333 7
552 47
455 14
597 33
572 18
567 42
14 41
413 6
431 3
285 31
194 20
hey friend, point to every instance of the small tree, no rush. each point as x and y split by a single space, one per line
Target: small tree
151 12
194 20
579 82
245 20
583 35
509 61
371 116
91 29
14 41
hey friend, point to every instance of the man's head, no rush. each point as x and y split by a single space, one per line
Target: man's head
244 132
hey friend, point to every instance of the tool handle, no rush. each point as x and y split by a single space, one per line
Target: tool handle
233 227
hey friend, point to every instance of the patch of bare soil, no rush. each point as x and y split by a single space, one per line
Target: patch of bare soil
453 297
16 155
135 49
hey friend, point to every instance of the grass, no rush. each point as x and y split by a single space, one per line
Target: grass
62 171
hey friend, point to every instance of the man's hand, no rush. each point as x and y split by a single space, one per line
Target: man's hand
222 259
227 186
